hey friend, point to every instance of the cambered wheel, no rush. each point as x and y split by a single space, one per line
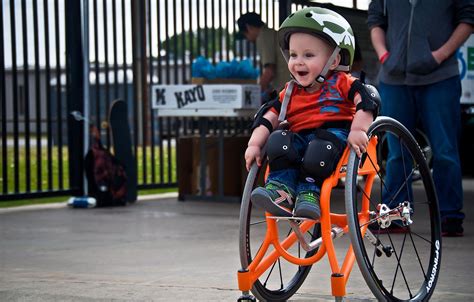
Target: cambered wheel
282 279
400 262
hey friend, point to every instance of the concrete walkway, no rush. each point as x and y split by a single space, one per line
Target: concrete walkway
165 250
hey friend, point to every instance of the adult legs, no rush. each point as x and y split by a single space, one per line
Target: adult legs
439 110
398 103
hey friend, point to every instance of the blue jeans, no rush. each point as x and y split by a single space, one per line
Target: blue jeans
291 177
436 107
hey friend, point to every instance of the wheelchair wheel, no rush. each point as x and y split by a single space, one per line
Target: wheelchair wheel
282 279
394 223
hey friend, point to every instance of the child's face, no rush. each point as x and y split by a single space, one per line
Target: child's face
308 55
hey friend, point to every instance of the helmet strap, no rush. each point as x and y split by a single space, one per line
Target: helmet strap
322 76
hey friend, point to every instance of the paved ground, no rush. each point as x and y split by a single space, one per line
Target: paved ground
165 250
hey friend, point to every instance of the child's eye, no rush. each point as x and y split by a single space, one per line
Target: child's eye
309 55
292 55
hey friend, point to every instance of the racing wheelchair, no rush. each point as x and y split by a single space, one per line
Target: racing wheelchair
396 241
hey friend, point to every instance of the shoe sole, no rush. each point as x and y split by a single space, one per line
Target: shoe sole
261 199
306 210
450 234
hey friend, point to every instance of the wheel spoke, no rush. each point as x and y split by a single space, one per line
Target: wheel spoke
270 272
402 145
421 237
405 183
398 257
418 256
258 222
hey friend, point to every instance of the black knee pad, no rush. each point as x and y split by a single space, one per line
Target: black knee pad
281 152
321 156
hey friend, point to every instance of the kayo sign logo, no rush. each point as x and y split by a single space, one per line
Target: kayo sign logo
182 98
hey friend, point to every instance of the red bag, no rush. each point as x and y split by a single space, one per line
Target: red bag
105 174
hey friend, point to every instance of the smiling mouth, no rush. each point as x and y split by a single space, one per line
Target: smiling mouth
302 73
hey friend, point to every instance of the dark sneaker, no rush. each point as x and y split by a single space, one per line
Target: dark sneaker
275 198
307 205
452 227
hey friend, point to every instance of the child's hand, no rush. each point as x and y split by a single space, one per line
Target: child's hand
252 153
358 141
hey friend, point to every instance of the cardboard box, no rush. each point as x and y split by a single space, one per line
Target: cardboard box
215 97
189 166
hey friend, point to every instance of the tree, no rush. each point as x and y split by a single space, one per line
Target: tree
218 40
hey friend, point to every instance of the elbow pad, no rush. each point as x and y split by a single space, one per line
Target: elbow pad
370 97
258 118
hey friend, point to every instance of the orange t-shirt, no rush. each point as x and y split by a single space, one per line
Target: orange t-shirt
330 103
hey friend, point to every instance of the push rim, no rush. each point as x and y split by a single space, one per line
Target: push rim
411 271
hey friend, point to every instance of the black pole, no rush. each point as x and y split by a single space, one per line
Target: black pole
284 10
75 84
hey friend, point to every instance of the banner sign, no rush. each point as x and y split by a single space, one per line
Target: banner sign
466 70
208 97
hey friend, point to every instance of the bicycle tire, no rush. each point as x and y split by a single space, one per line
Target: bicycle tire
389 277
293 275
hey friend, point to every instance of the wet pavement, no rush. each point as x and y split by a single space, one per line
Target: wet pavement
161 249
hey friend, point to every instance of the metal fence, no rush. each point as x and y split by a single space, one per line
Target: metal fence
32 126
132 44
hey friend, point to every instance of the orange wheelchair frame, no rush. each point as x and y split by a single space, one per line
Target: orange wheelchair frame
398 253
340 274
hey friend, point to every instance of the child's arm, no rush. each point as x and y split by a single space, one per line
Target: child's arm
358 139
257 140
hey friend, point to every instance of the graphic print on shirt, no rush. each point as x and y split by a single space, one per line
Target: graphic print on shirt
330 96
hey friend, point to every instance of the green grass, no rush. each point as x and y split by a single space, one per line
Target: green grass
27 202
156 191
155 161
42 183
38 179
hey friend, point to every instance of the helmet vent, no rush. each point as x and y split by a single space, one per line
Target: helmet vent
308 15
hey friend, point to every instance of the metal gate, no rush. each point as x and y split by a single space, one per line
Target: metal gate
132 44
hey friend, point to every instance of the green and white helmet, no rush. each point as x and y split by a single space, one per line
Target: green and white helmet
325 24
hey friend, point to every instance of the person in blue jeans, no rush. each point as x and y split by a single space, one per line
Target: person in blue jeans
416 43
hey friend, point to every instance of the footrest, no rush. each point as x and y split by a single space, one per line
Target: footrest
246 298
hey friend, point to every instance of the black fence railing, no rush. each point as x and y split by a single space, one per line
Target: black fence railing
34 153
132 46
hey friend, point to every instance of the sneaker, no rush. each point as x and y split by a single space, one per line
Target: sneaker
307 205
275 198
452 227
